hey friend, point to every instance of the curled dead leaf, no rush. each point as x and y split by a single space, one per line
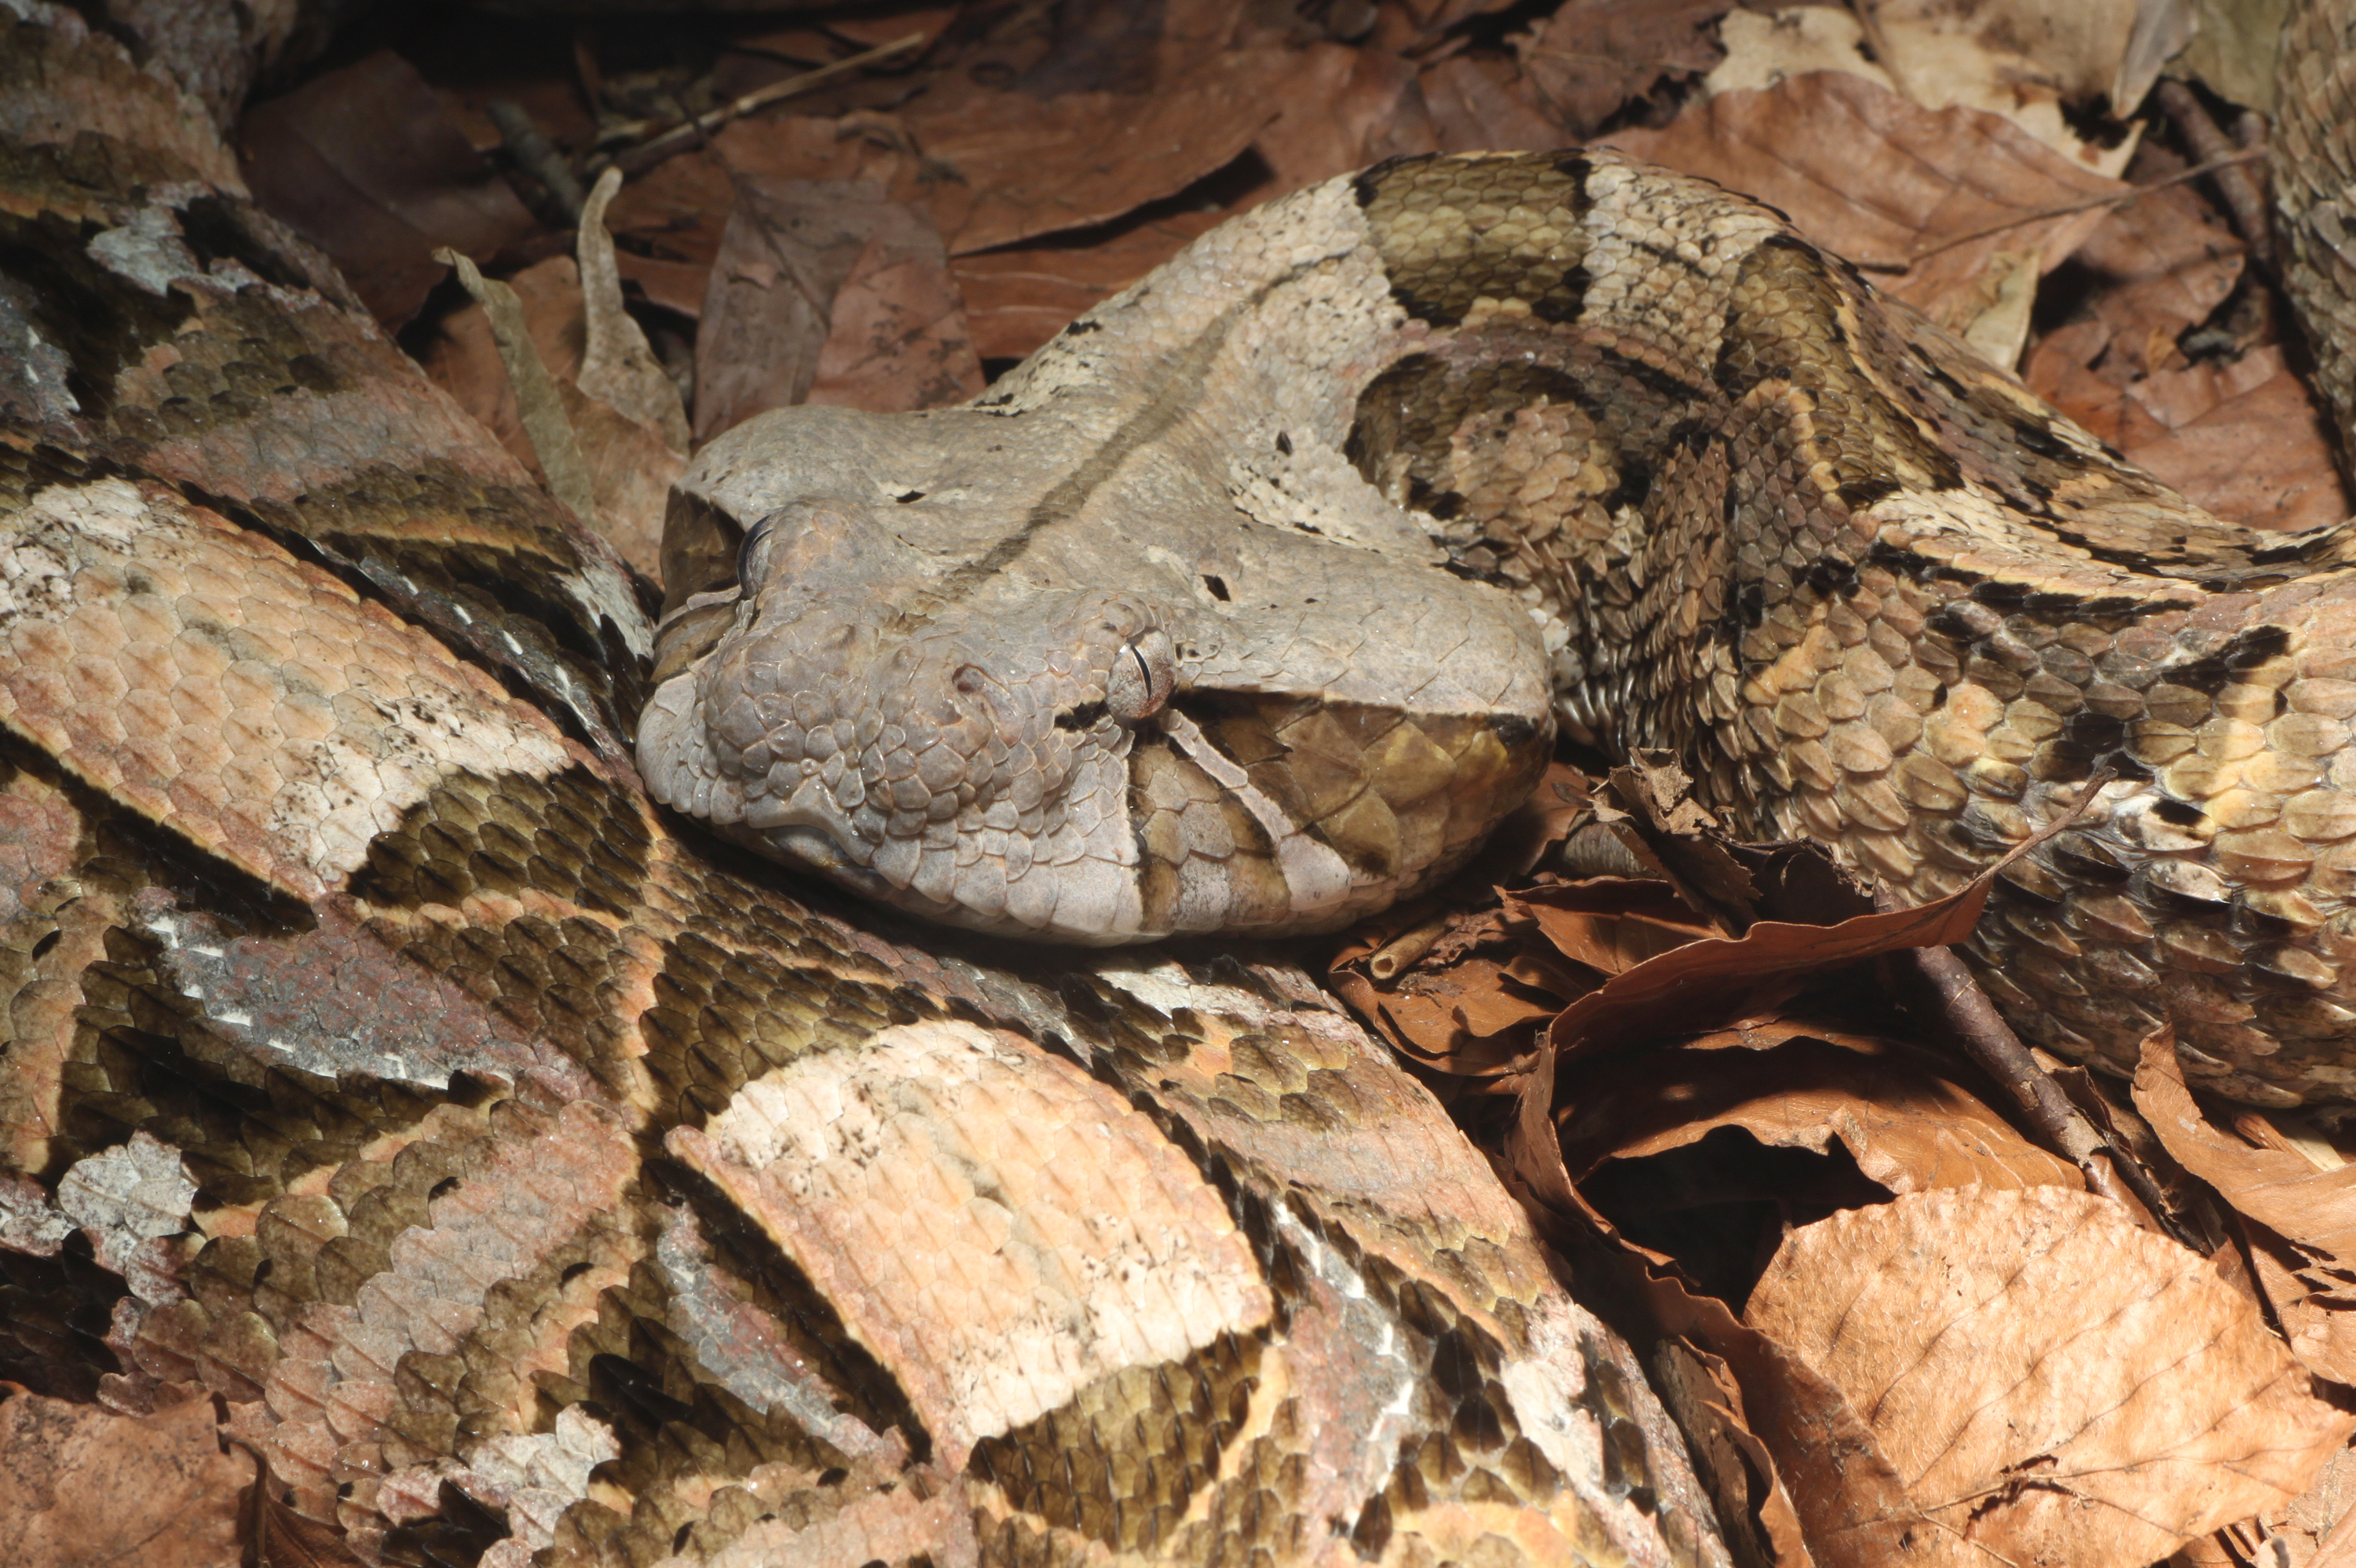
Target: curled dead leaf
367 164
2302 1221
1871 176
618 366
1016 166
81 1486
1898 1110
2050 1382
828 291
537 404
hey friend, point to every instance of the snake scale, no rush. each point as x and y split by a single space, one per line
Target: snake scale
530 1182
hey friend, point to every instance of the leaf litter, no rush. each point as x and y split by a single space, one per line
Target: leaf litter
1894 1326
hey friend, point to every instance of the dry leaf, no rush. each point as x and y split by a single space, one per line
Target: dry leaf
1610 923
1592 56
2166 261
628 465
1904 1120
1762 50
538 405
2259 453
1703 1394
617 366
1868 176
367 164
790 245
896 337
2277 1188
2303 1235
675 215
1820 1458
1013 167
1018 297
2235 51
827 291
2053 1383
2317 1311
1343 108
1482 106
1717 977
2026 59
83 1487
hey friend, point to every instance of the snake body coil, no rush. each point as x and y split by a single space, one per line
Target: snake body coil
1251 601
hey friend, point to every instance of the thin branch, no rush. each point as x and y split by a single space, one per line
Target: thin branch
2243 198
2115 199
634 160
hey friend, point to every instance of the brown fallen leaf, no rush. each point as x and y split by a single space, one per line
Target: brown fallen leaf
367 164
1018 297
1898 1109
2167 261
896 337
81 1486
1608 923
2300 1221
1341 109
1788 1412
1473 1012
2258 451
1702 1392
2030 61
673 219
538 406
2277 1188
1487 106
828 291
1872 177
1010 166
2051 1384
618 367
1592 56
1716 978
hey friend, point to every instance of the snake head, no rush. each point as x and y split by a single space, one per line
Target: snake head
845 709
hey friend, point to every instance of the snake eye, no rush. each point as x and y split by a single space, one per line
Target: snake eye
1143 676
749 555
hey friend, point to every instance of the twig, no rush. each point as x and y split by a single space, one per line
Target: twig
1399 955
537 157
2243 199
2115 199
1975 1027
1868 23
634 160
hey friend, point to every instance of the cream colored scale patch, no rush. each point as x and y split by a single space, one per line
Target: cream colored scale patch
207 679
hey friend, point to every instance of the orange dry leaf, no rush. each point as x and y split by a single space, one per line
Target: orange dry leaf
367 164
1879 180
1012 167
1591 57
1017 297
1716 978
1898 1110
1482 106
83 1487
2050 1382
825 291
2301 1220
